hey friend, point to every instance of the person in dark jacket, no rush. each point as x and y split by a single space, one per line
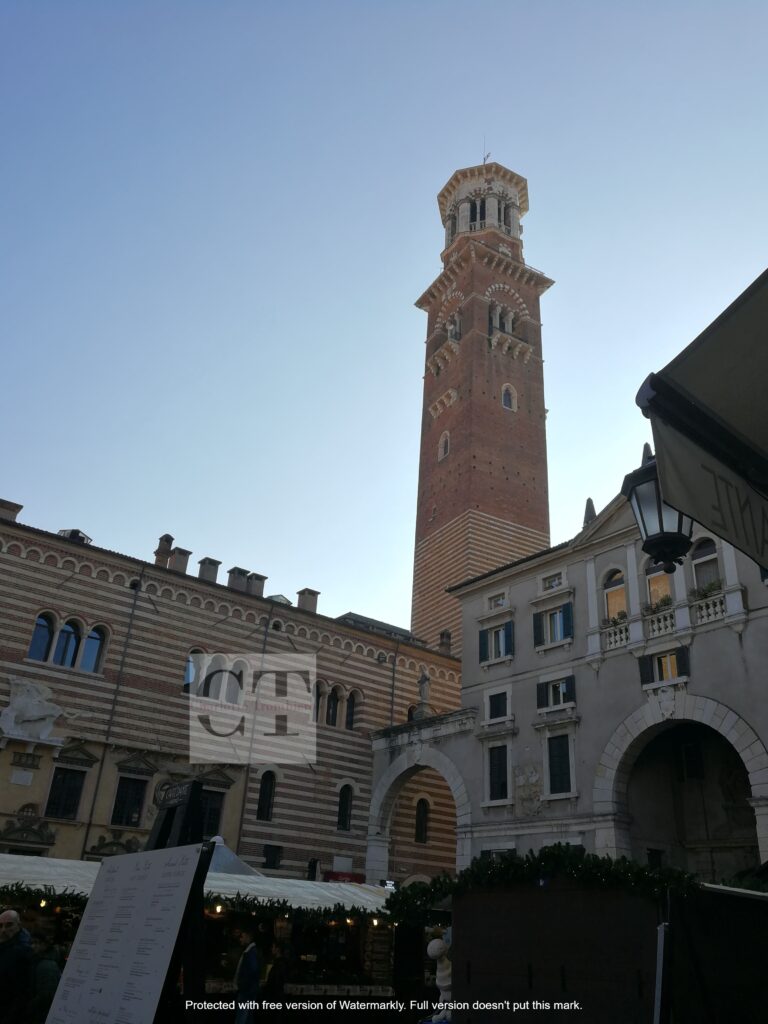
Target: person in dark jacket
274 986
15 956
44 978
247 975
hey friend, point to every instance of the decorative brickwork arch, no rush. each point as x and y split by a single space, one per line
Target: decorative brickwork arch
386 790
511 297
609 794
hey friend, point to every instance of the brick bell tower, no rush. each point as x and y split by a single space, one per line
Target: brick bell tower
483 468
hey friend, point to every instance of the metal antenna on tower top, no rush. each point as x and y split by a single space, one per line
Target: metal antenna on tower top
486 155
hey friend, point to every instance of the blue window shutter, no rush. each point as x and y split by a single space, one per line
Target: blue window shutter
568 620
646 669
542 695
509 638
483 645
570 689
538 629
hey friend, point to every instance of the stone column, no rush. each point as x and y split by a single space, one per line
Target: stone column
377 857
491 210
463 223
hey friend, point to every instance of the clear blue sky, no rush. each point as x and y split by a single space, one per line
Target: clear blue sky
216 218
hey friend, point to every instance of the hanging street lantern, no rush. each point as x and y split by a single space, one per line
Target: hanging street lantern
666 533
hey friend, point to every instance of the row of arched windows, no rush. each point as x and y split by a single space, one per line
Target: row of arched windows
334 708
67 644
266 802
706 574
219 678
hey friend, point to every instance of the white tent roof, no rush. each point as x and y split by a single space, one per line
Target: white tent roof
79 876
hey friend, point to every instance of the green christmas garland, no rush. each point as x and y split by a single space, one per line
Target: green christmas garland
416 903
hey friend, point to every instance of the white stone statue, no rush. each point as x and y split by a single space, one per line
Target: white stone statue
439 951
424 684
30 714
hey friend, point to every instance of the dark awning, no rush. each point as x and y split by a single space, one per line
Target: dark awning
709 413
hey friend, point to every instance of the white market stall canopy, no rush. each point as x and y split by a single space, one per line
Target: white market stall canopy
710 425
79 876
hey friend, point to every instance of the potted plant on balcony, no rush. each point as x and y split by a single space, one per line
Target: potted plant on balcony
701 593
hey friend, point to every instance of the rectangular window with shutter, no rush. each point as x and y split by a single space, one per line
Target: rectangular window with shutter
497 773
559 764
497 705
556 693
497 642
553 626
664 666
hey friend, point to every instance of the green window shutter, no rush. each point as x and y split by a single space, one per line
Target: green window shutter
683 661
646 669
509 638
483 645
538 629
568 620
570 689
542 695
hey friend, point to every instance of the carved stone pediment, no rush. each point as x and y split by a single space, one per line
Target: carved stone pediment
137 764
75 754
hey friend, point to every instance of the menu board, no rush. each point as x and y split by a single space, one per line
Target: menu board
121 953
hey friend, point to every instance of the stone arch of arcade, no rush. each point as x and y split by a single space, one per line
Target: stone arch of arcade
614 768
401 752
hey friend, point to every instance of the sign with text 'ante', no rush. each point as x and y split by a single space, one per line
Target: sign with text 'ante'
702 486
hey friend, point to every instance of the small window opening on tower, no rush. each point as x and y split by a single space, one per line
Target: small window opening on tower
509 398
444 445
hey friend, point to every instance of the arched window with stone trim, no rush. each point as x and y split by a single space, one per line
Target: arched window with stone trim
67 645
444 446
421 831
332 707
509 397
615 595
344 816
93 650
659 584
42 638
266 802
706 571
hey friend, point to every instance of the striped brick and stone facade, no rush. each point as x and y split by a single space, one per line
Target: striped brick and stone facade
126 716
482 496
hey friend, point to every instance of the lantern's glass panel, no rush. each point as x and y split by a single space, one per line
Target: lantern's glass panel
646 508
670 518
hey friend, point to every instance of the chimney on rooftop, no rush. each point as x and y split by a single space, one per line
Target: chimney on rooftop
237 578
255 584
163 552
178 560
209 569
9 509
308 599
